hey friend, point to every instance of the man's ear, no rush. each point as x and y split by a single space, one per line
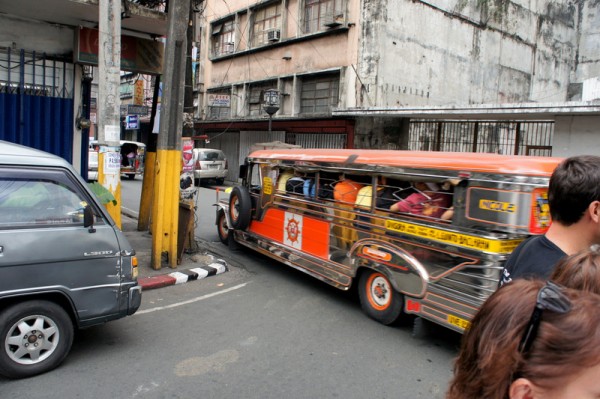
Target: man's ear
594 209
521 388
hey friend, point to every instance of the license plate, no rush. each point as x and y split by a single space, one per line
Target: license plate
458 322
214 166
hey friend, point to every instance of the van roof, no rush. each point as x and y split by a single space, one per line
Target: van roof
16 154
121 142
451 161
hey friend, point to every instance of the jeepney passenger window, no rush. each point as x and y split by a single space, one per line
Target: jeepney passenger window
284 176
429 199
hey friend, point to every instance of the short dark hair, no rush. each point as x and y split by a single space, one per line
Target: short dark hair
574 185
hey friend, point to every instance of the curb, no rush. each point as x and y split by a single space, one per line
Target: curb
197 273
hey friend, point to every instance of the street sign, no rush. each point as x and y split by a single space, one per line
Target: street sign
132 122
133 109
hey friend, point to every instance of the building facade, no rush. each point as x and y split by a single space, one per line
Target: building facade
331 59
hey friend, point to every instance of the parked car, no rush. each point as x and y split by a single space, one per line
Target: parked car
131 166
64 264
209 164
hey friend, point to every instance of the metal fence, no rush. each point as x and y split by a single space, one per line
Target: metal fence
500 137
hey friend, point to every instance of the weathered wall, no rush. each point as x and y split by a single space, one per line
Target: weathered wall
442 52
576 135
35 36
588 59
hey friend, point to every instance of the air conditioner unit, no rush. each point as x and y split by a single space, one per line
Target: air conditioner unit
273 35
332 20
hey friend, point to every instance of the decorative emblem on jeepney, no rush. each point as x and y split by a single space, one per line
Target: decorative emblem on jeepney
293 230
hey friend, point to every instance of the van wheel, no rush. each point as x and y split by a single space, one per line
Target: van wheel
222 228
36 337
240 207
378 298
220 181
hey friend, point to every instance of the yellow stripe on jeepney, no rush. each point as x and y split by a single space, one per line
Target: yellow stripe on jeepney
448 237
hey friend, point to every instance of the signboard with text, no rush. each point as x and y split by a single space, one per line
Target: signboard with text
137 54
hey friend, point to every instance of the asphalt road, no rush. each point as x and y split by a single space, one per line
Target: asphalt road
261 330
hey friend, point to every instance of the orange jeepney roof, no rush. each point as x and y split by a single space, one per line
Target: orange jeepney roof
454 161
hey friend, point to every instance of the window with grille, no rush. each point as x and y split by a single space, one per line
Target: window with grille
319 94
267 19
322 14
500 137
223 38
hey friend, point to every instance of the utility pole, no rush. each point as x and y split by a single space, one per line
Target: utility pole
165 207
109 121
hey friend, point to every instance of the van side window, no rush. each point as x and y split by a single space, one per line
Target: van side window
25 203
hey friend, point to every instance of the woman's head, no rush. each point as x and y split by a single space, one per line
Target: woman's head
580 271
490 364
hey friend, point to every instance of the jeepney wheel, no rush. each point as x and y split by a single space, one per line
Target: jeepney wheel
240 207
36 337
131 176
222 228
378 298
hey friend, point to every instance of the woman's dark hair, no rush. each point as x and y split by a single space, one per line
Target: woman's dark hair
565 344
580 271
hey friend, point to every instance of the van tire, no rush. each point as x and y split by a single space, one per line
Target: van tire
378 298
240 207
56 337
222 229
220 180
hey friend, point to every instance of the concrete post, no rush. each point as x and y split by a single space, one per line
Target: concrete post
165 207
109 128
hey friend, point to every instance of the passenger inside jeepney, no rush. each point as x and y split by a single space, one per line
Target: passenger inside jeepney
429 200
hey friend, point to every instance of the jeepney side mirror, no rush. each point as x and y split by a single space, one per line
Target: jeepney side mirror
243 171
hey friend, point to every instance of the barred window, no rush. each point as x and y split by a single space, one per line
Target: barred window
319 94
319 14
265 20
223 38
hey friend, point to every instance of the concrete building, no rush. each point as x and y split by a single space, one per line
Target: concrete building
497 75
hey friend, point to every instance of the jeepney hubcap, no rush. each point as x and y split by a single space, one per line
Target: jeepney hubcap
380 291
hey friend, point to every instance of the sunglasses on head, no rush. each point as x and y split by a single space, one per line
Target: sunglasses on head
551 298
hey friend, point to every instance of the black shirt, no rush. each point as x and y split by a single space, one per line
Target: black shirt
534 257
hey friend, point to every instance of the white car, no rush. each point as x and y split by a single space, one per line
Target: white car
209 164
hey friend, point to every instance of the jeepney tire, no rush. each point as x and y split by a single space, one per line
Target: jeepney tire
378 298
222 229
29 323
240 208
131 176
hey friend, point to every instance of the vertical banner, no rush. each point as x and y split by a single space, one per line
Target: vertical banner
186 181
138 92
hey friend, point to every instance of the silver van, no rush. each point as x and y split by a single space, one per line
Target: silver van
209 164
64 264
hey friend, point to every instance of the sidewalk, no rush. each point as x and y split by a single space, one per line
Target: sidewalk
193 267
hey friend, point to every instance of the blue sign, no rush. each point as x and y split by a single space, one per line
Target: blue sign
132 122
